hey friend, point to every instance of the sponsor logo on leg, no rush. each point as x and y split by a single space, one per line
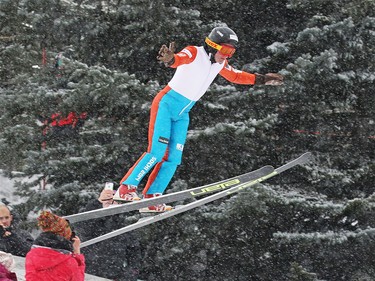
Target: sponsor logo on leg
146 168
163 140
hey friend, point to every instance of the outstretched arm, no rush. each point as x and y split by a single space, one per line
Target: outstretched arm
242 77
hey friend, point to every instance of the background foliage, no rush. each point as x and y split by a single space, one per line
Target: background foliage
313 223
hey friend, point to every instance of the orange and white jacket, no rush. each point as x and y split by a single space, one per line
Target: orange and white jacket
195 72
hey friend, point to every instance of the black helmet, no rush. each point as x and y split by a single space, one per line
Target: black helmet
223 35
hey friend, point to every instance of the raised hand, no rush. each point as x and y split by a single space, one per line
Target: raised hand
166 54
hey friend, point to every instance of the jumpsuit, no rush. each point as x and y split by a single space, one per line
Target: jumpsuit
169 116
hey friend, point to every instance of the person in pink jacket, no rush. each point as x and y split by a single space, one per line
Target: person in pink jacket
55 255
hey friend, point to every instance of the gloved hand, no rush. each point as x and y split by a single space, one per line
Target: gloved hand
166 54
274 79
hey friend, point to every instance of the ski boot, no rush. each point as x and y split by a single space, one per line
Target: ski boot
159 208
126 192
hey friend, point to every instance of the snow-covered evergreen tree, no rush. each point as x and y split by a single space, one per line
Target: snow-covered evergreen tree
312 223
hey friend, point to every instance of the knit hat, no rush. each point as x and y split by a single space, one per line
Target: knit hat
49 222
7 260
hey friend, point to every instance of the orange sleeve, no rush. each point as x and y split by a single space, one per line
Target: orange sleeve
186 56
237 76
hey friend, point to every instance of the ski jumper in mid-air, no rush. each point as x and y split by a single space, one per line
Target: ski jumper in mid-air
196 68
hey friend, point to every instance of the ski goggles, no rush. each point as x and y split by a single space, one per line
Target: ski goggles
226 50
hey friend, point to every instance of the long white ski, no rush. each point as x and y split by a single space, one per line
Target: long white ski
171 197
149 220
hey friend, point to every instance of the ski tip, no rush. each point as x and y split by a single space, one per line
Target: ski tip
306 156
302 159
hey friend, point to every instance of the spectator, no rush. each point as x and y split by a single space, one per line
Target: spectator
6 266
55 254
118 259
12 240
58 61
